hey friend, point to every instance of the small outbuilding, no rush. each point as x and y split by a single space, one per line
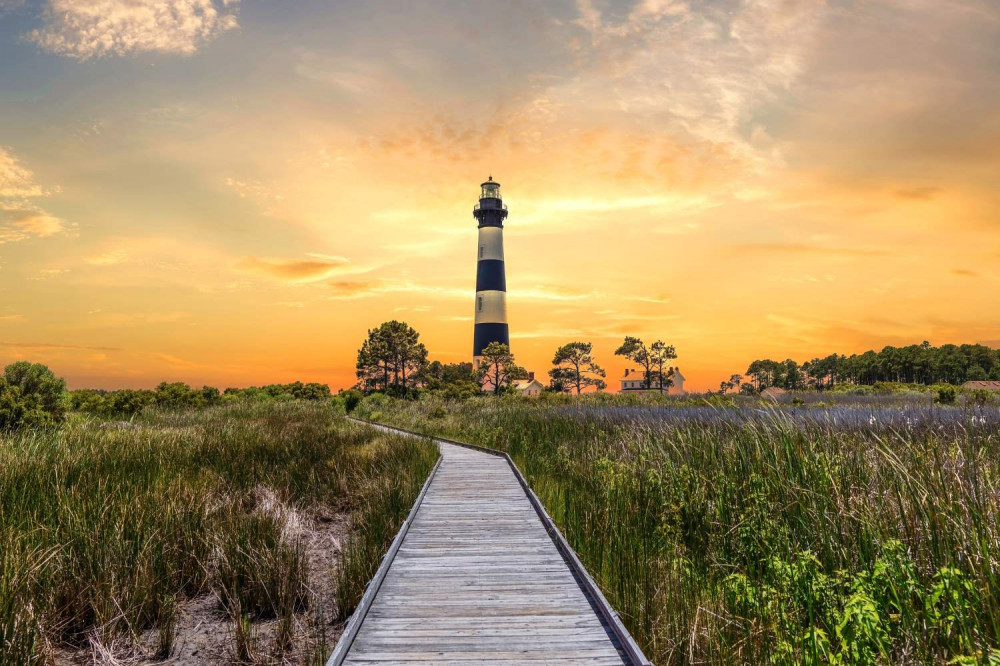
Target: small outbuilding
773 392
529 386
989 385
634 381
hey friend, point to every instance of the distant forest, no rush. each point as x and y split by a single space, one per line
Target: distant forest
915 364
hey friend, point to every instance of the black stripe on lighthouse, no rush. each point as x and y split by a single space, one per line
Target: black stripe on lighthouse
487 333
490 275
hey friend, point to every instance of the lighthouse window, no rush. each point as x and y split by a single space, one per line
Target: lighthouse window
481 250
479 300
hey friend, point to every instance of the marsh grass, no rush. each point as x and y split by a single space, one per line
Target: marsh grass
859 532
107 526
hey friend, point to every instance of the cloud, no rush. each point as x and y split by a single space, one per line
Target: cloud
348 289
11 317
50 345
268 197
697 70
85 29
799 248
16 180
110 258
20 217
964 272
178 363
295 270
920 193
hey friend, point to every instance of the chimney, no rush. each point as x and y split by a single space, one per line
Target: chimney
531 376
626 372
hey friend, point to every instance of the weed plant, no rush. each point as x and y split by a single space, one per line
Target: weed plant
740 532
106 526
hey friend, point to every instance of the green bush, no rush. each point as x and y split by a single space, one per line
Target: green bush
979 397
946 395
177 395
30 396
352 399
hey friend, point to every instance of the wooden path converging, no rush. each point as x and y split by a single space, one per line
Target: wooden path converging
478 574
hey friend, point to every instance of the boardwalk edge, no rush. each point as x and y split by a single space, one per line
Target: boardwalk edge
607 612
371 591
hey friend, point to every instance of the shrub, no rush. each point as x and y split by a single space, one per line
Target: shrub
980 396
352 399
946 395
30 396
177 395
125 403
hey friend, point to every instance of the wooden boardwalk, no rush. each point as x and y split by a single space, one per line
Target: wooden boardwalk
476 577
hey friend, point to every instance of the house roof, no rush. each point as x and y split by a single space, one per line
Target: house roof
771 391
525 383
639 373
989 385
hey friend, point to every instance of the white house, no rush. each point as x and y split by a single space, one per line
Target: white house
529 386
634 381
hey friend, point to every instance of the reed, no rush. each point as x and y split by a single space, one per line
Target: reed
864 531
107 526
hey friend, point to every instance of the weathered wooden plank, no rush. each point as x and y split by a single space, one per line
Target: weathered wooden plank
477 579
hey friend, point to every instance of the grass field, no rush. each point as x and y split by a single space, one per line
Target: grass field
735 532
110 529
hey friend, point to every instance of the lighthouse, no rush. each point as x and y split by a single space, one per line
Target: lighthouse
491 283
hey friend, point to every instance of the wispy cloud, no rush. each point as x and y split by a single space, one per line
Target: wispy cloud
109 258
268 197
699 70
318 267
801 248
21 217
52 345
85 29
919 193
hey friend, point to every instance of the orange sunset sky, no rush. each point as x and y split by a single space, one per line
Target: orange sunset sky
232 192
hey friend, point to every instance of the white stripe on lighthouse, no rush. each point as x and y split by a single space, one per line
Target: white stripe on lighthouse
491 243
491 307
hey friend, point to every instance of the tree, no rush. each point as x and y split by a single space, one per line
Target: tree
661 353
791 375
452 380
975 373
636 351
735 381
40 392
391 358
576 368
498 370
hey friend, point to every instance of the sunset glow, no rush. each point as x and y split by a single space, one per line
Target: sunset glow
231 193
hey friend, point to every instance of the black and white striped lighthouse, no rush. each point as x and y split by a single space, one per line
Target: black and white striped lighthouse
491 284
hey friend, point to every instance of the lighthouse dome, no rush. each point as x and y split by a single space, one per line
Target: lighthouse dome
490 189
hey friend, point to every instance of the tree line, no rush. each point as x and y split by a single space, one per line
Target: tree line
393 360
32 396
913 364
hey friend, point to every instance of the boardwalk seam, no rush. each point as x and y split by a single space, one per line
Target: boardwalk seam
590 588
371 591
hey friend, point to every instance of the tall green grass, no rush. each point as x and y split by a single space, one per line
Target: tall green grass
105 527
862 533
